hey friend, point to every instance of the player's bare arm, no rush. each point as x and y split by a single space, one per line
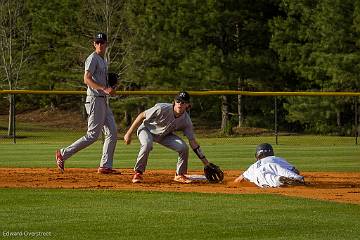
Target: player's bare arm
212 172
139 119
196 148
94 85
239 179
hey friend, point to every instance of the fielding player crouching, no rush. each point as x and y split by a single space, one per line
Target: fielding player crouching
270 171
158 124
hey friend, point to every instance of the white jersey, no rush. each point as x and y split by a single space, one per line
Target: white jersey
278 160
267 171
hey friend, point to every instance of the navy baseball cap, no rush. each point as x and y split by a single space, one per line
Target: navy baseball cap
100 37
183 97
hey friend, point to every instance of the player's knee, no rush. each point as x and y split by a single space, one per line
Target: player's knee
111 136
147 146
92 136
183 148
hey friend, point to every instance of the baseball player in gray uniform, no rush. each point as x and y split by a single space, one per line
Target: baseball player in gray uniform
158 124
100 116
270 171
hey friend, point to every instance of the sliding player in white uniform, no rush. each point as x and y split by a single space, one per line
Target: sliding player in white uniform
270 171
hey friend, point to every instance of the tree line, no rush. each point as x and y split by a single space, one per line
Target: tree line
256 45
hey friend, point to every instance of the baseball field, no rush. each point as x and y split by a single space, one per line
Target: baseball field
38 202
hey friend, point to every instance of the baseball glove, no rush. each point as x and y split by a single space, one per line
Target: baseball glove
213 173
113 79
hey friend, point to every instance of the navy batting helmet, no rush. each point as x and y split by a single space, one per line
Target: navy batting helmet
264 150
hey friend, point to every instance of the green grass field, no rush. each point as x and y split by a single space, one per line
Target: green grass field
106 214
308 153
109 214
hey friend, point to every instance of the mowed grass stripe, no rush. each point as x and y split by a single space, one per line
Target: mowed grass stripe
229 153
106 214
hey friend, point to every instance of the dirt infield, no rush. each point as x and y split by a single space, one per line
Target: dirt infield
332 186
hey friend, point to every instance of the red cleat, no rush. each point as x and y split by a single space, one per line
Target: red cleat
60 162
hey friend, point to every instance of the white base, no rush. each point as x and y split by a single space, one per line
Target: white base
197 177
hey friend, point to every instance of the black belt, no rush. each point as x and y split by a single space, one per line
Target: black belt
96 96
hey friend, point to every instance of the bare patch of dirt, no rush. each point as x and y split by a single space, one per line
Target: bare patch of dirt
331 186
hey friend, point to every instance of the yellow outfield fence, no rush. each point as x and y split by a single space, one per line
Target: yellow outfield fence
271 114
194 93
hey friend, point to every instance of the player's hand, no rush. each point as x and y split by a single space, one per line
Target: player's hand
239 179
127 138
113 91
109 91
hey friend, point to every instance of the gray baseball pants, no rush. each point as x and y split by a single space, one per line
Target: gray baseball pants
100 118
170 141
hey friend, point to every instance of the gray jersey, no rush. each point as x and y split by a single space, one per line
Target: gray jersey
160 121
97 66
